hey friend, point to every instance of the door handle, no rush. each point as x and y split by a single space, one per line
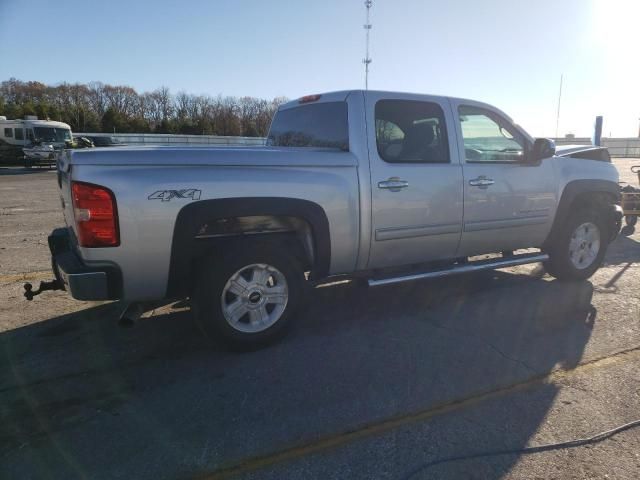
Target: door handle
482 182
394 184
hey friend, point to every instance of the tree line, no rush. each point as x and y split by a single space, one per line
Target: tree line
99 107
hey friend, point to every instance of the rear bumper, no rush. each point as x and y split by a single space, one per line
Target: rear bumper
81 281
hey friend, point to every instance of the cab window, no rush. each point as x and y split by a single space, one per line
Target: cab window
489 138
8 132
321 125
409 131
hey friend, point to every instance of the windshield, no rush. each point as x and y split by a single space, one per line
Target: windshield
52 134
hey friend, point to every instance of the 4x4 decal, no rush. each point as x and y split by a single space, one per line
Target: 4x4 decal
166 195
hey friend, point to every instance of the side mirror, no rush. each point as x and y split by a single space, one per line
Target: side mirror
542 148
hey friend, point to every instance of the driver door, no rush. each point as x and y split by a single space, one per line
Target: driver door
508 202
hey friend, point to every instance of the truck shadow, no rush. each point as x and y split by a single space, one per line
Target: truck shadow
78 394
623 249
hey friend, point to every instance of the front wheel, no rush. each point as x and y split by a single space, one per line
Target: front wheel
580 247
246 299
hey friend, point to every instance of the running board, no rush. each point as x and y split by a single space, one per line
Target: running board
490 264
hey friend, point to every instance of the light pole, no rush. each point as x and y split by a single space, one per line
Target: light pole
559 100
367 59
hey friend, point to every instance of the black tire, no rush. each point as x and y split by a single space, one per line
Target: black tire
560 264
214 273
631 220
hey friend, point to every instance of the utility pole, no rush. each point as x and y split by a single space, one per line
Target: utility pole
558 115
367 59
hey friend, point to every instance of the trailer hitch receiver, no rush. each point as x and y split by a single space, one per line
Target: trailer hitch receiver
29 292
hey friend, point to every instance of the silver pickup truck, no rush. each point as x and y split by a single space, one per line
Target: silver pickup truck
388 187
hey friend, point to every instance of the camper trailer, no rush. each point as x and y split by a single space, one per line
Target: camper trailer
18 138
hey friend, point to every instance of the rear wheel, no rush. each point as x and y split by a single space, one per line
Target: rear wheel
247 299
579 248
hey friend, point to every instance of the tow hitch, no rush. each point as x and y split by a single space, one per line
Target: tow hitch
29 293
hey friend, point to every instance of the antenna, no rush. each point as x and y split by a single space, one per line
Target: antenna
367 60
559 98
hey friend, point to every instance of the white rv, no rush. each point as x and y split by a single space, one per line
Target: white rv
16 135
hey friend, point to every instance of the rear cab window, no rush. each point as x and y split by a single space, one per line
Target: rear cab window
320 125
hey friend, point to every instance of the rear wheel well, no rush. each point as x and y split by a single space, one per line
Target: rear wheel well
204 226
294 232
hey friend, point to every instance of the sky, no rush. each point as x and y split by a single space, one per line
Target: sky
509 53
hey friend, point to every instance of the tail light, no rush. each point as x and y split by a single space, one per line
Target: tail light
96 216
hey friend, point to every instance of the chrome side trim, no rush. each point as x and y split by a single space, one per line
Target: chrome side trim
419 231
470 267
507 223
240 234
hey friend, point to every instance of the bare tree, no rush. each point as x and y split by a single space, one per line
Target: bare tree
97 98
85 106
164 102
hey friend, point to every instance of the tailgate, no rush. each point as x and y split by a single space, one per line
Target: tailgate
64 184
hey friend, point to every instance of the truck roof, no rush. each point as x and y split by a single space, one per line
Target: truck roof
341 96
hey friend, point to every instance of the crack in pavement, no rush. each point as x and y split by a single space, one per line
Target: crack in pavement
484 341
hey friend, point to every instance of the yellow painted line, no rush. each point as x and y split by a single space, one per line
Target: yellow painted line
337 440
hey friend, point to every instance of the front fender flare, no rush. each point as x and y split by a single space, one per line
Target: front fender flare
572 191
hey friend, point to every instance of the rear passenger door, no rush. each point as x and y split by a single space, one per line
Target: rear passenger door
416 180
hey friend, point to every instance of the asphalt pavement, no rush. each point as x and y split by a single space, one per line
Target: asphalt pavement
371 383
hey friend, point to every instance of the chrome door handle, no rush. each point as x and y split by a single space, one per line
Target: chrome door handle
482 182
394 184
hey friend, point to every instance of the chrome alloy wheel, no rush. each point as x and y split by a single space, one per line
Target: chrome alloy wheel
254 298
584 245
